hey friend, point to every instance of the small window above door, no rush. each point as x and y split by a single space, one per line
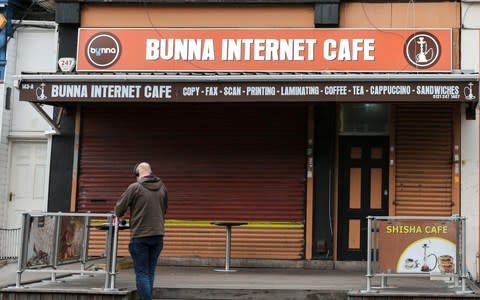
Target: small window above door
364 119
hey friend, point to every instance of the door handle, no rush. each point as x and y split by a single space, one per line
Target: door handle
10 197
385 192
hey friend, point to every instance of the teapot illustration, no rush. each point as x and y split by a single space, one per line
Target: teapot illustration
411 263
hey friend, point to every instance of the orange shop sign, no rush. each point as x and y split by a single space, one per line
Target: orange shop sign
311 50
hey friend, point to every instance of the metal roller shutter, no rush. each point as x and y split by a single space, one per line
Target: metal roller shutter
220 162
209 241
424 135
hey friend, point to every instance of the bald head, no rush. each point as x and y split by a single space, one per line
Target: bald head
144 169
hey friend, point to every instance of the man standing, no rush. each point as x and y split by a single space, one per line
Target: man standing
148 201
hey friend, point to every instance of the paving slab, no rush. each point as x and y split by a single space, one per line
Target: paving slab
187 282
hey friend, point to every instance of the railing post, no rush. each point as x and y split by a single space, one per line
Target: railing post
369 254
463 250
56 244
86 235
22 253
108 249
3 242
111 261
114 254
459 252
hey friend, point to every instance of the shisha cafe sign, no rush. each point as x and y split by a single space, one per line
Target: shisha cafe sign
417 246
311 50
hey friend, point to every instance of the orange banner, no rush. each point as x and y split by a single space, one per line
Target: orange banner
264 50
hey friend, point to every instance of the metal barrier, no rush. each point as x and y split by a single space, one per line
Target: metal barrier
49 240
9 243
416 246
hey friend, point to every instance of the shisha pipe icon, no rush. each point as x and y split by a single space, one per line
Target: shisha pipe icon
469 89
424 51
425 267
40 91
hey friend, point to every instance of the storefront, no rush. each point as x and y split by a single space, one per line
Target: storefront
302 133
258 160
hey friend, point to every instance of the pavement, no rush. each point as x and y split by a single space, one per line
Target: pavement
187 282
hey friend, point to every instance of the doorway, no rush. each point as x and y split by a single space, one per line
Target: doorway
27 180
363 191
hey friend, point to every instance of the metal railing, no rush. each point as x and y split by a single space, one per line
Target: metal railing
9 243
416 246
49 240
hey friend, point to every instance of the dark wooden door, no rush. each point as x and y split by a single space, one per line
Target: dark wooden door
363 191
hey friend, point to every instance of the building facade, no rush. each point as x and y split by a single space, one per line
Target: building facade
29 45
300 118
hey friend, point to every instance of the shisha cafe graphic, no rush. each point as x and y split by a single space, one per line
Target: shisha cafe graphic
422 50
417 246
433 254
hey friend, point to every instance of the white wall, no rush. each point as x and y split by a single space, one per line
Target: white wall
4 128
470 61
470 36
470 14
469 186
470 56
33 48
36 52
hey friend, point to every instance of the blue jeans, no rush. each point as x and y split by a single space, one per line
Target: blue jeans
145 252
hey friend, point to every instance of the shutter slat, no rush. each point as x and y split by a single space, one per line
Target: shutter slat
423 160
265 243
219 161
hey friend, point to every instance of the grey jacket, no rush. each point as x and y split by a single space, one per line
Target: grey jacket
148 202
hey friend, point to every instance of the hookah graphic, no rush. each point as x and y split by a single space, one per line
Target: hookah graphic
424 51
469 90
40 91
425 266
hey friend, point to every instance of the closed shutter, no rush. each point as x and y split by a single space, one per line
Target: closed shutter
424 135
253 241
219 162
